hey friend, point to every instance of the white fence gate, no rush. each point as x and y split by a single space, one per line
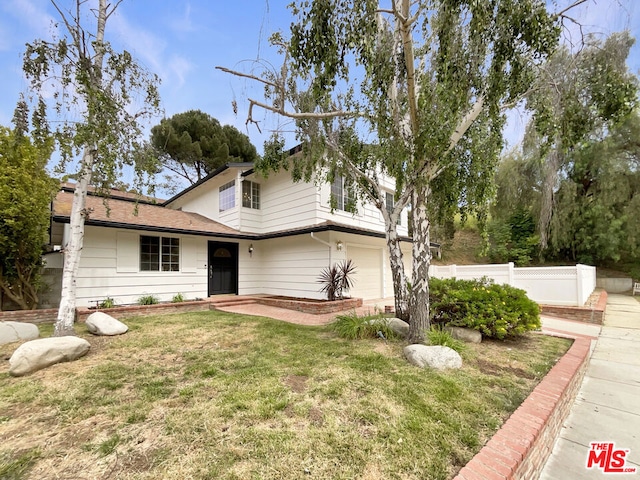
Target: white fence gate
570 285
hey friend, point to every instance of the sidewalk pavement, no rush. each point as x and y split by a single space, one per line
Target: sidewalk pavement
607 407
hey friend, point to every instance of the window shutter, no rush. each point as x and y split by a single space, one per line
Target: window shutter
189 255
127 252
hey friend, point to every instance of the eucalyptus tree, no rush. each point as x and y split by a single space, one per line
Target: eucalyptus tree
95 91
412 90
578 98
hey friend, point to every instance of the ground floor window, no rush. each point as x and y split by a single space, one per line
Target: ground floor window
159 254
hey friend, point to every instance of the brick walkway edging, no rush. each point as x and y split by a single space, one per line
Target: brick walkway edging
519 450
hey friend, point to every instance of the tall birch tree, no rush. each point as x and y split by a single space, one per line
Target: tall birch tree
95 89
413 90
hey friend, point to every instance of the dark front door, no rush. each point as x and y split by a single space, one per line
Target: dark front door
223 268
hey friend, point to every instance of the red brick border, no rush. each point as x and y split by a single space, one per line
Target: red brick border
519 450
592 314
30 316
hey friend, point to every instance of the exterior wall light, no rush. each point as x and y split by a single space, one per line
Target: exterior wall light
339 245
251 250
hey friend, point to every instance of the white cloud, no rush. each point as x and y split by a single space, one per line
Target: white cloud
183 24
180 67
145 46
34 14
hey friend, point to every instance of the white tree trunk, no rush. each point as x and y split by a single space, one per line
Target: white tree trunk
419 296
397 270
73 250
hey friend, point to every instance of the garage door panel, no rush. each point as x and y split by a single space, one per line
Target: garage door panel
368 276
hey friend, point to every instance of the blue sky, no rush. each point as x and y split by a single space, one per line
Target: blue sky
183 40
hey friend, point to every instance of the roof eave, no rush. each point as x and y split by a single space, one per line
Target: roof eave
213 174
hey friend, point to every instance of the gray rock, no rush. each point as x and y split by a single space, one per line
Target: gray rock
99 323
465 334
436 356
17 331
38 354
400 327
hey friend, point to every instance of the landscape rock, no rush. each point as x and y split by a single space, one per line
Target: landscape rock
99 323
17 331
468 335
38 354
400 327
437 356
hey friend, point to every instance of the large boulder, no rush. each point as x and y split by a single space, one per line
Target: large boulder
399 327
468 335
17 331
38 354
99 323
437 356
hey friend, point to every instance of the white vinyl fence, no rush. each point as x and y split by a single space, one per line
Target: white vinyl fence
570 285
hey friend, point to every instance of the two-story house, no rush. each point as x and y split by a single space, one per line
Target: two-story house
233 232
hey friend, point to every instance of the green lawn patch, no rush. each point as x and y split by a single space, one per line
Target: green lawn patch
224 396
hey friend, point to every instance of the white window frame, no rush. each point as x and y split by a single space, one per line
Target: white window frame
227 196
166 259
389 203
251 194
340 193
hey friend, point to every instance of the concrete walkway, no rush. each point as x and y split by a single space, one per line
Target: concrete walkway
607 408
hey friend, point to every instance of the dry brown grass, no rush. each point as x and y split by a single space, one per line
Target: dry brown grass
212 395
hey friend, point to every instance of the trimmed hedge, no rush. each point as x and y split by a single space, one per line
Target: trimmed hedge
497 311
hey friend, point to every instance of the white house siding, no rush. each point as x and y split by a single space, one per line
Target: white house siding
285 204
204 199
109 267
289 266
367 216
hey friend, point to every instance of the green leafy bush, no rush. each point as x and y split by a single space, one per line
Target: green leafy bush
352 326
178 298
148 300
513 240
497 311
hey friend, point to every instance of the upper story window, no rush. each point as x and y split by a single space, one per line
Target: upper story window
159 254
227 198
251 194
390 203
341 198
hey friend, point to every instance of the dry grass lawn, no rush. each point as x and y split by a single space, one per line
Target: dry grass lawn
221 396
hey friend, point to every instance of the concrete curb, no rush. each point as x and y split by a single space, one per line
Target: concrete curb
521 447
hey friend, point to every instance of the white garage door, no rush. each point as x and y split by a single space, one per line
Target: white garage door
368 277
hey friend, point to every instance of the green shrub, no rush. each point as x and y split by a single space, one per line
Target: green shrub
497 311
352 326
107 303
437 336
148 300
178 298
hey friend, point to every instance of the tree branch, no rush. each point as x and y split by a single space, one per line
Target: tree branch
247 75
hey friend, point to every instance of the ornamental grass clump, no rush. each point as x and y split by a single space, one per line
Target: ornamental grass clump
353 326
496 311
